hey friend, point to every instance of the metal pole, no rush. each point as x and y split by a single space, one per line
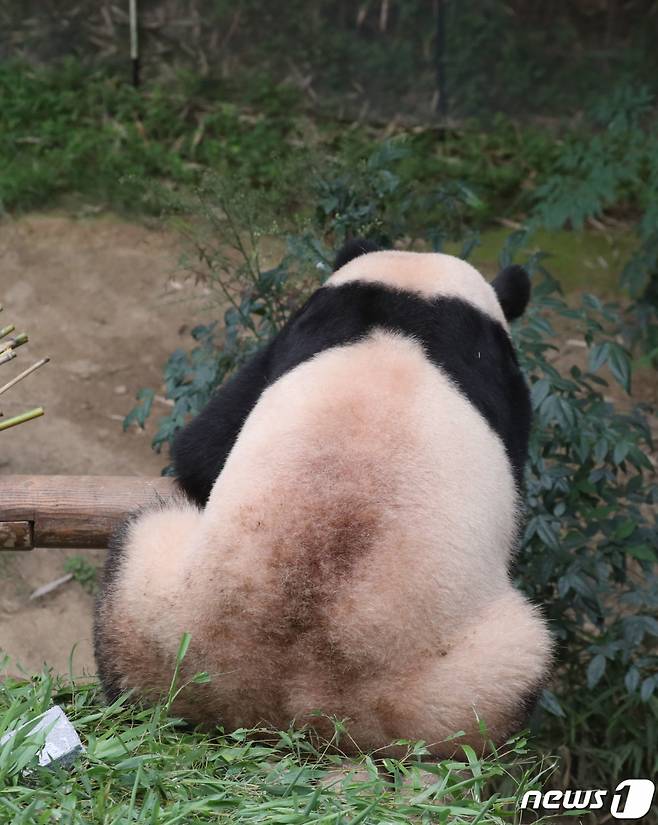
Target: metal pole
442 102
134 42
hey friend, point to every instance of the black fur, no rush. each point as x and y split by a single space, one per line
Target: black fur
353 249
512 286
109 677
471 347
202 447
529 715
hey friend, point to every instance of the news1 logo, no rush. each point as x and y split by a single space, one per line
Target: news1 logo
631 799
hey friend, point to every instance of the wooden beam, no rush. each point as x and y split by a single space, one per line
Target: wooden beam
71 511
16 535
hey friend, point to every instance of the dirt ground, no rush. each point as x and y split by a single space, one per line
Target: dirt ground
96 296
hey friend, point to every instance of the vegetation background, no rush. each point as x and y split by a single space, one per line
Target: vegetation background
264 135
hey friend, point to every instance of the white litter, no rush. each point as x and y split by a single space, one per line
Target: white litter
53 585
62 743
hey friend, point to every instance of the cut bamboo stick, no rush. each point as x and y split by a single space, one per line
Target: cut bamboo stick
21 419
14 343
23 375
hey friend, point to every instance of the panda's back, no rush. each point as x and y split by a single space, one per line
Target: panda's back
364 494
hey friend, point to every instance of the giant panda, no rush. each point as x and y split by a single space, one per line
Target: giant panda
348 516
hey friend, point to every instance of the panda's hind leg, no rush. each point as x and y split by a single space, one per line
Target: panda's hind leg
138 617
489 672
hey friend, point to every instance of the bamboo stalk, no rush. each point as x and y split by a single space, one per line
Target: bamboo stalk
20 419
8 347
13 343
23 375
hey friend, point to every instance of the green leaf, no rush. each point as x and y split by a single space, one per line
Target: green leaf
620 366
186 638
651 625
598 356
600 450
540 389
201 678
620 452
648 688
632 679
625 529
141 411
469 245
550 703
547 534
643 552
595 670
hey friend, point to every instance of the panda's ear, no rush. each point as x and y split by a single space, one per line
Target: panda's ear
512 286
352 249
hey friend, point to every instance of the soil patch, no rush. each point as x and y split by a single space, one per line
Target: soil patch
93 295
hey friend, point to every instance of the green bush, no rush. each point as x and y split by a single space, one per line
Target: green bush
615 165
589 549
613 170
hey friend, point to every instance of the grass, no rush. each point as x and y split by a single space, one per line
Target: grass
140 765
585 260
67 129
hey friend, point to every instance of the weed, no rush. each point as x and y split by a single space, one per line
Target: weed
83 572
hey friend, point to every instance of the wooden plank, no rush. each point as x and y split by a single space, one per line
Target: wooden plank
16 535
76 511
